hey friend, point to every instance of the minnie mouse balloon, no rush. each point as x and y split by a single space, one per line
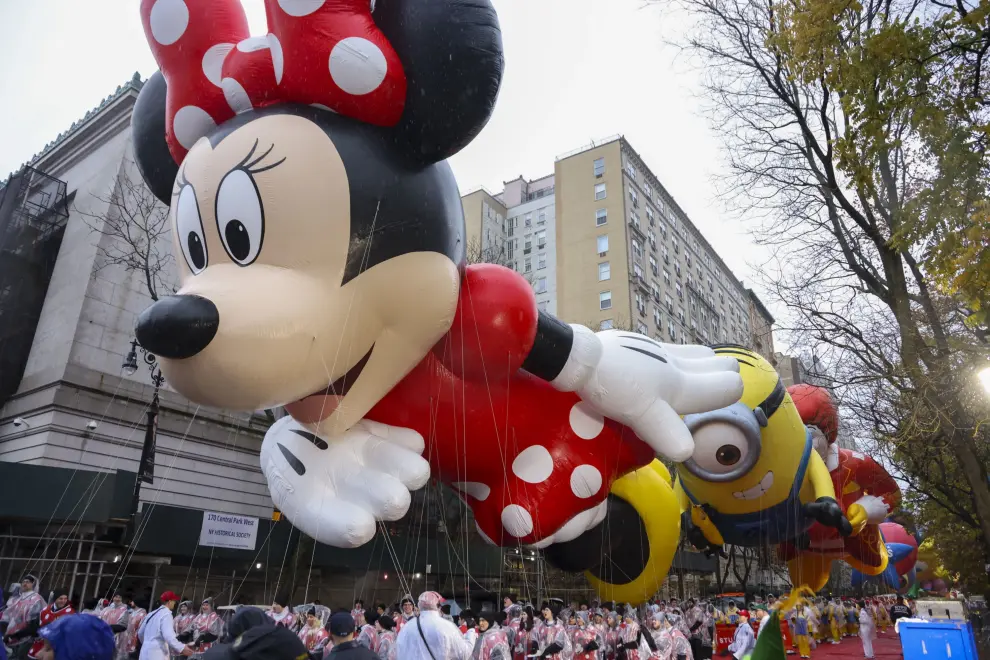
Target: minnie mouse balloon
320 240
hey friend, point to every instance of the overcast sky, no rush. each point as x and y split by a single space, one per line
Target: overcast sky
576 71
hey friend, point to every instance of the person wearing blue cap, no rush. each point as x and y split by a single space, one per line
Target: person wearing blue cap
77 637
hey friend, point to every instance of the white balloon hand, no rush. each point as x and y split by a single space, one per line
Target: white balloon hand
647 385
336 489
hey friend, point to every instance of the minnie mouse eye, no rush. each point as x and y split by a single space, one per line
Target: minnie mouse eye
240 217
189 230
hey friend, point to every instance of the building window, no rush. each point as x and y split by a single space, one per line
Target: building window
542 306
638 271
604 271
680 293
671 330
649 190
631 171
657 318
599 191
637 249
666 277
605 325
541 239
603 244
677 246
542 219
599 166
642 329
541 285
527 247
655 290
634 218
670 304
680 314
653 239
541 262
634 198
653 265
640 303
650 216
528 268
601 217
605 300
677 268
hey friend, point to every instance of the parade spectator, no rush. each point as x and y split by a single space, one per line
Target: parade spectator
183 622
251 635
156 634
744 640
385 627
78 637
60 607
491 643
281 614
134 619
429 637
345 647
900 610
867 630
207 626
21 611
313 635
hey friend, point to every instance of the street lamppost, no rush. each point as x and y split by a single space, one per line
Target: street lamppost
146 468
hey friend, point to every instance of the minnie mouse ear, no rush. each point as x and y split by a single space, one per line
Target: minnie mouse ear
151 153
451 51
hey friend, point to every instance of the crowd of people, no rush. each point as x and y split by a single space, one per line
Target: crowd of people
426 629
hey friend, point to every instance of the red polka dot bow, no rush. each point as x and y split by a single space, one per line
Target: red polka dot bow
327 53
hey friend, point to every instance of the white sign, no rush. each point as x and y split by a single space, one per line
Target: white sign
226 530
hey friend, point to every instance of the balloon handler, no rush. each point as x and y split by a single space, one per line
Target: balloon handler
320 241
754 478
866 492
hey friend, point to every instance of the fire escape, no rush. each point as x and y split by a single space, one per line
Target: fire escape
33 215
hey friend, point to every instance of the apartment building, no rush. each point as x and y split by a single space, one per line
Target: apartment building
608 246
516 228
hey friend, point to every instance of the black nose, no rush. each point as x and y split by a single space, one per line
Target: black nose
178 327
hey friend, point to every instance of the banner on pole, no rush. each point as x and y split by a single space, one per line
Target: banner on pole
146 469
226 530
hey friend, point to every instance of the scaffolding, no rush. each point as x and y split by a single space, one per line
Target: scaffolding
33 216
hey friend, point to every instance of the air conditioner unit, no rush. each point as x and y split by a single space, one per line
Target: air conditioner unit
602 254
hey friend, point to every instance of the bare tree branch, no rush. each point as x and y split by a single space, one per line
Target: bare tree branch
135 232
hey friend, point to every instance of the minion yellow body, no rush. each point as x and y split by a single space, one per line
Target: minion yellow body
754 466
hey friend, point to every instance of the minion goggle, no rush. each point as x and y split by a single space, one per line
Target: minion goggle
724 454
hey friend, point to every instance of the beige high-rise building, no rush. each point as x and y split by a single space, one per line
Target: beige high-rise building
622 253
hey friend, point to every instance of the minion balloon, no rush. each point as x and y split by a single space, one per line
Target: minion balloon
754 478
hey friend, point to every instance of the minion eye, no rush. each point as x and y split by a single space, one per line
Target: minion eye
719 448
728 455
727 443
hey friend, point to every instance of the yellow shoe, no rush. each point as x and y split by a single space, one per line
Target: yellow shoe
631 551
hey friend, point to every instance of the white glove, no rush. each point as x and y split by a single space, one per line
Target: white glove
647 385
335 490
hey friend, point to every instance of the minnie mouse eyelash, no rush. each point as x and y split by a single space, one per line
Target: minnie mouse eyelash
250 166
